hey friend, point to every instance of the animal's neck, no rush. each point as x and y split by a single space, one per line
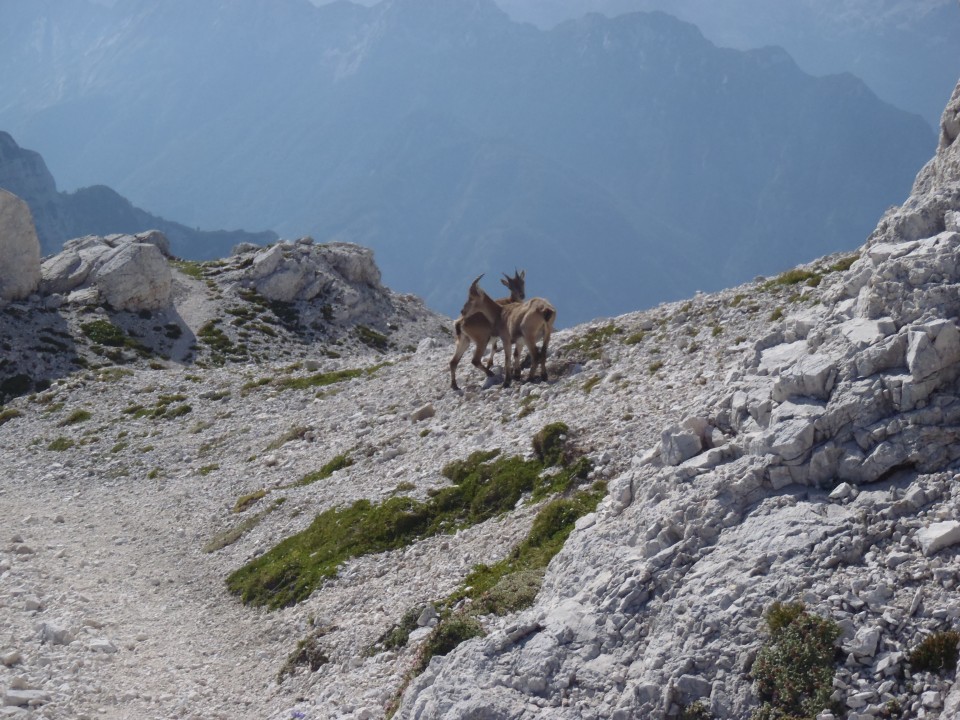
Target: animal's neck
490 309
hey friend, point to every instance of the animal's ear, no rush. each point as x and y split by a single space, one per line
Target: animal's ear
505 280
523 274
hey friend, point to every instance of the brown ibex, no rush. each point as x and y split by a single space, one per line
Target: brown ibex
477 327
530 320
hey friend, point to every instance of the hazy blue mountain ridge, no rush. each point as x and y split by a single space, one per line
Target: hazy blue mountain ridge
99 210
622 162
906 50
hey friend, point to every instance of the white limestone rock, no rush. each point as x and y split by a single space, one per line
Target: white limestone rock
64 272
937 536
135 276
19 249
678 443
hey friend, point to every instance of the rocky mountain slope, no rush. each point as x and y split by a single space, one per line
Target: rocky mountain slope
99 210
452 140
793 439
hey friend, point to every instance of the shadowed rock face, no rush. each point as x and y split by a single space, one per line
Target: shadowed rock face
19 249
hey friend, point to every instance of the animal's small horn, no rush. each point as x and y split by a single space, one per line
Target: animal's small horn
473 286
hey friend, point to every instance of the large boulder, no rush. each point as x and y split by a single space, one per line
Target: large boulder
135 276
19 249
130 272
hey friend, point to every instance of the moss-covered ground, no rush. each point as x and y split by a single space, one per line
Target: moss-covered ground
483 486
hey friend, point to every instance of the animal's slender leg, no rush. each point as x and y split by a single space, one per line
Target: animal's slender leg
478 357
463 342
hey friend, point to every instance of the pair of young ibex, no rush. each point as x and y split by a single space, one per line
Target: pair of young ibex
509 319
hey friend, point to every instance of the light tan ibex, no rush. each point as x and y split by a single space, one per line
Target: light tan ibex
530 320
477 327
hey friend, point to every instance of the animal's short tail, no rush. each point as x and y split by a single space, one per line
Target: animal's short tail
458 329
549 314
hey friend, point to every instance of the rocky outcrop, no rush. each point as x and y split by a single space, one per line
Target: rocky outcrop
19 249
128 272
761 493
341 280
944 168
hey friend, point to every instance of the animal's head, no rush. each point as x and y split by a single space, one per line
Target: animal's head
516 285
475 296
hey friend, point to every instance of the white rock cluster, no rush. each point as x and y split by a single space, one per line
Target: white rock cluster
127 272
343 275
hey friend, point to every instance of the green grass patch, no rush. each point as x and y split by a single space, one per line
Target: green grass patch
231 535
283 313
207 469
653 367
77 416
794 277
503 588
591 384
635 338
592 342
104 332
189 267
513 583
794 670
447 635
339 462
777 314
323 379
372 338
218 342
60 444
164 408
297 432
482 486
843 264
245 501
8 414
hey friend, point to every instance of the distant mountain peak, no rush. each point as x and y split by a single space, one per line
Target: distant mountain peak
445 12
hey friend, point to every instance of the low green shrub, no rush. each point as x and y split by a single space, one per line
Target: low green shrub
794 670
936 653
447 635
245 501
592 342
104 332
372 338
8 414
60 444
308 653
77 416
